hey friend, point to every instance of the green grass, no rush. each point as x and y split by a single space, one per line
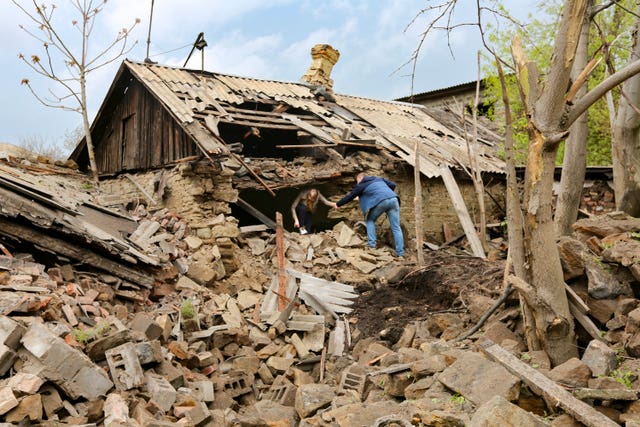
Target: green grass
187 309
458 399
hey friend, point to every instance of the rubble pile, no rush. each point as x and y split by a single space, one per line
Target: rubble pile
98 349
79 347
598 198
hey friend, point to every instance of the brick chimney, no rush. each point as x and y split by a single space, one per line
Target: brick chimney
324 57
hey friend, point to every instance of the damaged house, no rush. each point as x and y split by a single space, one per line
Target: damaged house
227 151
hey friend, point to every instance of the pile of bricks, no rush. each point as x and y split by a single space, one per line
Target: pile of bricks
84 348
598 199
87 349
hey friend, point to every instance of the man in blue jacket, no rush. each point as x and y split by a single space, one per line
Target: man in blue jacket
377 197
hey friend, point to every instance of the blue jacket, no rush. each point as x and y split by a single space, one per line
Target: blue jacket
371 191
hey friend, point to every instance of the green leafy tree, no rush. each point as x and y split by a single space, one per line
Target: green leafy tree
611 26
553 103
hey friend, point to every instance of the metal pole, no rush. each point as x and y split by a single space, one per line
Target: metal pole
149 35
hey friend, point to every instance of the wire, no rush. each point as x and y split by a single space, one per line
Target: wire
172 50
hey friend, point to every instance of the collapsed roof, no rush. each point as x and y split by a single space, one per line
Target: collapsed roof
50 208
212 111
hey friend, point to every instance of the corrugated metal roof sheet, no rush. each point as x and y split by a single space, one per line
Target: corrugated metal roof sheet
395 125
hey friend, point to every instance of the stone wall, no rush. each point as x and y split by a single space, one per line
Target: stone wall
199 193
437 206
202 194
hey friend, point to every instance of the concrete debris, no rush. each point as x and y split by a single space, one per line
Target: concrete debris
178 324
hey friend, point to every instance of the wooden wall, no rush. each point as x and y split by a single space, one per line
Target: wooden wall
136 132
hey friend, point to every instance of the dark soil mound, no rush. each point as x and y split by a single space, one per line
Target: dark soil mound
446 282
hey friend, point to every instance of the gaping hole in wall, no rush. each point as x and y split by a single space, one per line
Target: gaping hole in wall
253 142
268 205
260 130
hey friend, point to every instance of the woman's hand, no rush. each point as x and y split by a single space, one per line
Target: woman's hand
296 224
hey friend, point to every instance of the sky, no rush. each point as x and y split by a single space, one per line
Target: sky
252 38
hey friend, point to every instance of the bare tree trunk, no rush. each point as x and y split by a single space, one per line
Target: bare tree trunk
575 152
546 109
626 137
87 127
514 214
547 297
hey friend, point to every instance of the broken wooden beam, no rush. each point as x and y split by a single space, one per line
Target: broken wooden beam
252 228
586 323
253 173
5 251
605 394
139 187
76 253
256 214
282 274
541 385
306 146
463 214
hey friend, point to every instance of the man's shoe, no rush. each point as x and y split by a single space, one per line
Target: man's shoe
303 230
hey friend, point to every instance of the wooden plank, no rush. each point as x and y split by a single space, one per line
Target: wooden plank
307 146
257 119
252 228
391 369
203 140
139 187
259 124
418 206
461 210
314 318
262 114
368 143
575 298
256 214
541 385
35 194
282 274
85 256
586 323
313 130
605 394
253 173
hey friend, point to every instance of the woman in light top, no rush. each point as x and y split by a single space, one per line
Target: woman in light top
304 206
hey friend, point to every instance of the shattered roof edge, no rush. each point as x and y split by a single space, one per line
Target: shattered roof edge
302 84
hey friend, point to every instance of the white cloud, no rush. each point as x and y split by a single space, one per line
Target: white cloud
255 38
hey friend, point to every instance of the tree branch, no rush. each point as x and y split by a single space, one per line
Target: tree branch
582 104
